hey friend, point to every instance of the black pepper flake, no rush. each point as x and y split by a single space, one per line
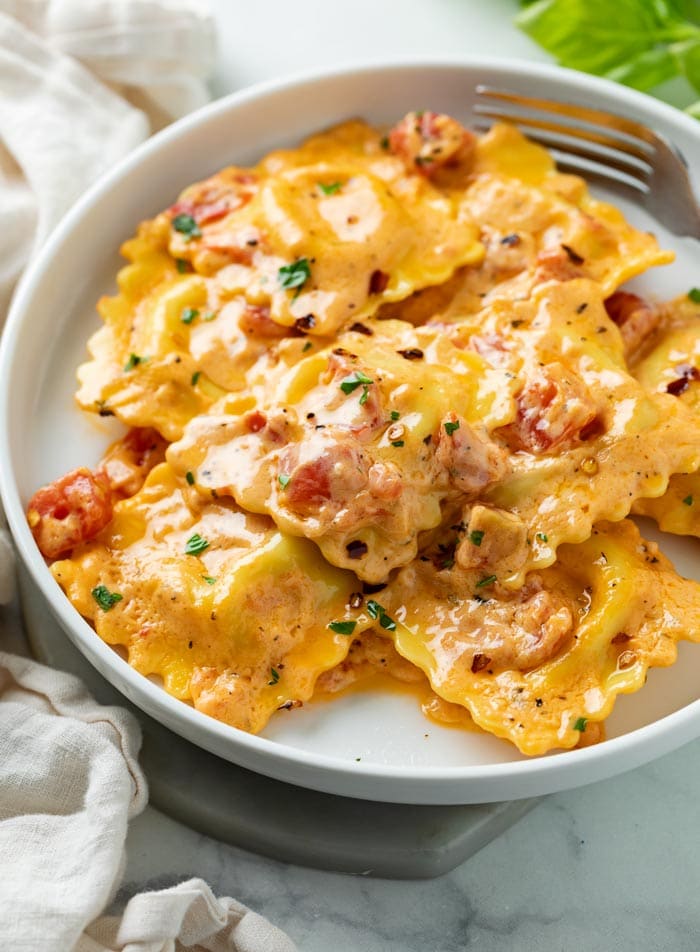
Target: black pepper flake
574 256
359 328
356 549
356 600
411 353
378 282
539 702
305 323
511 240
428 439
479 662
582 307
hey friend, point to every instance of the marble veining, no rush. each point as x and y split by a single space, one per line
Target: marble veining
613 866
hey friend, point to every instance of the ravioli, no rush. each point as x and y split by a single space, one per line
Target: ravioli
407 412
537 666
239 627
670 363
359 446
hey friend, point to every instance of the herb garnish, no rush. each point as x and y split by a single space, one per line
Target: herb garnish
274 676
580 724
195 377
378 612
283 480
476 536
397 443
688 501
294 275
694 295
187 226
196 544
104 598
451 427
189 314
209 580
353 381
342 627
133 361
395 414
189 476
541 536
181 265
331 188
488 580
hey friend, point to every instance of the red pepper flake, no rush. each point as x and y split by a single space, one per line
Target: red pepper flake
256 421
479 662
378 282
679 386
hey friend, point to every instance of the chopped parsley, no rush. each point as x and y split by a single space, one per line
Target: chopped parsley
294 275
397 443
350 383
187 226
395 414
688 501
189 314
209 316
209 580
189 476
331 188
104 598
451 427
694 295
195 545
377 611
476 536
133 361
195 377
181 265
542 537
580 724
343 627
488 580
307 346
364 396
274 676
283 480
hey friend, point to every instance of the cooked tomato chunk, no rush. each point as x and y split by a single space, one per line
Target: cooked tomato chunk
71 510
635 318
427 141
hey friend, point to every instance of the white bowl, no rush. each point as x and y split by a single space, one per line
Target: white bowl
368 745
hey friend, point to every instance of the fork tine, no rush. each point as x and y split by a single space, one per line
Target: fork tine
637 150
594 117
590 150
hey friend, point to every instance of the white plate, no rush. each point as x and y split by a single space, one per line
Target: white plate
402 756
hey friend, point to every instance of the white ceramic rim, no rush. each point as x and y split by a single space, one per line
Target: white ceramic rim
469 784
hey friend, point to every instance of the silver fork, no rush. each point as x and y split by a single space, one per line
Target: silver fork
620 153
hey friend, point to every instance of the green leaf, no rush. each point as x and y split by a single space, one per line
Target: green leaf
331 188
195 545
294 275
353 381
687 56
189 314
598 36
694 295
343 627
647 70
104 598
580 724
187 226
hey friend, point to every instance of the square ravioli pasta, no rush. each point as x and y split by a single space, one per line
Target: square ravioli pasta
389 410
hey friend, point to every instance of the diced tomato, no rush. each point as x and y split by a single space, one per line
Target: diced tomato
634 316
428 141
69 511
128 461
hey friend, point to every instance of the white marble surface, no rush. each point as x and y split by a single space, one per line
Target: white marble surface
614 866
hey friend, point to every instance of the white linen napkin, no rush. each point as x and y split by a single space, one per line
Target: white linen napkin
69 775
